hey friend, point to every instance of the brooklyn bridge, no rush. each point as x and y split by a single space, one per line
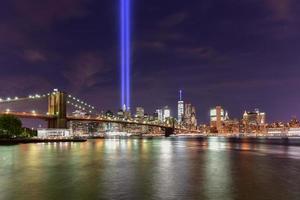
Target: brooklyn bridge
58 115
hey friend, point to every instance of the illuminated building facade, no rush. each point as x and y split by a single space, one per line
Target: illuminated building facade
189 117
159 113
140 112
217 117
166 113
180 108
254 121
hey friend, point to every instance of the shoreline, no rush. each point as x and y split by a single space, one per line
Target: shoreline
37 140
292 141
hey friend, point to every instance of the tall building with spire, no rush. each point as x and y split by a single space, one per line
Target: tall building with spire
180 108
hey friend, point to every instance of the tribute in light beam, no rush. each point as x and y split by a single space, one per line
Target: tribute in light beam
125 53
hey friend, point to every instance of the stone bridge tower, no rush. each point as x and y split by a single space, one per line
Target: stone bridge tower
57 106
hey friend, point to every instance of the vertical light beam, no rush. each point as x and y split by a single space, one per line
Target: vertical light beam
122 23
128 53
125 53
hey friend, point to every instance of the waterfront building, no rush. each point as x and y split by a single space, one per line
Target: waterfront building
230 126
280 131
254 121
294 123
217 117
140 112
159 113
189 117
109 113
121 114
255 118
293 132
166 113
127 114
180 108
83 128
54 133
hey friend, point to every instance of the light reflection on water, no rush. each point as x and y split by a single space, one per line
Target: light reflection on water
150 169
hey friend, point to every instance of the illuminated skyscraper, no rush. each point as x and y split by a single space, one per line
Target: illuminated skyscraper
166 113
217 117
189 117
254 121
180 107
159 113
254 118
140 112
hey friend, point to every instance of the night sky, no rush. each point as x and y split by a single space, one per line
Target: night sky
238 54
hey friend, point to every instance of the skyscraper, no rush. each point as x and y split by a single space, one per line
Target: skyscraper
180 107
254 118
189 117
254 121
140 112
217 116
159 113
166 113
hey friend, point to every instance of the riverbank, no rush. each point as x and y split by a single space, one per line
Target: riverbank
38 140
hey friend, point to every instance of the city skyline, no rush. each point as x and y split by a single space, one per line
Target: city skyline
157 99
216 57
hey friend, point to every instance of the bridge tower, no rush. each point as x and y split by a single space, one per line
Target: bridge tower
170 130
57 106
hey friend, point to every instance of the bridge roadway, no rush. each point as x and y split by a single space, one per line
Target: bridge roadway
87 119
93 119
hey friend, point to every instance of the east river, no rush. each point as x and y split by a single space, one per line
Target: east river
173 168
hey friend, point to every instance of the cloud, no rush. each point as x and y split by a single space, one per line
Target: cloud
261 84
174 19
200 53
281 9
152 45
11 35
46 12
20 83
86 70
34 56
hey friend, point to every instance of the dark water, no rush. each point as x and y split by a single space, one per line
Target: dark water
150 169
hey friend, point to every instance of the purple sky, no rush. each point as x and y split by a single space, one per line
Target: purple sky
238 54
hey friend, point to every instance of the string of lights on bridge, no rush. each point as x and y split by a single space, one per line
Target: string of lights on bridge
79 104
9 99
29 97
71 100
